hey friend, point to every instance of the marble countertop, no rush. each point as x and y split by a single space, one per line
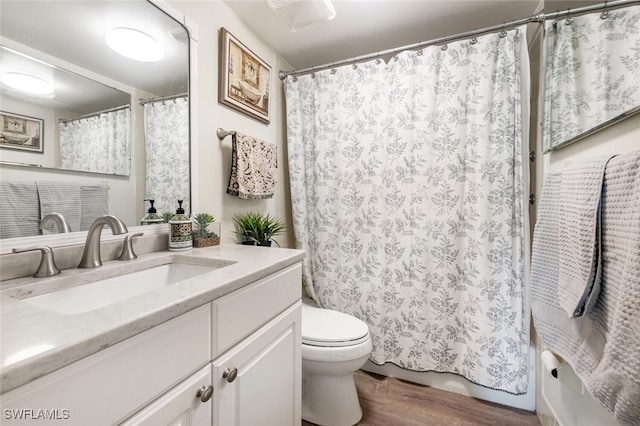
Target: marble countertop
35 341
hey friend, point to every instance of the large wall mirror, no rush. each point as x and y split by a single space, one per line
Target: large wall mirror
591 72
92 121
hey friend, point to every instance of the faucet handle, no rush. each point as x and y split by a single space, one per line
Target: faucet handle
47 266
127 247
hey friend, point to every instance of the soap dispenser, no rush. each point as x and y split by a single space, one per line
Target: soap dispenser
180 230
152 216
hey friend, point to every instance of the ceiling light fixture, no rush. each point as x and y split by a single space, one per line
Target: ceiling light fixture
301 13
27 83
134 44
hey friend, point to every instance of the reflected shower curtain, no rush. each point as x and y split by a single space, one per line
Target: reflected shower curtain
407 188
98 144
592 70
166 131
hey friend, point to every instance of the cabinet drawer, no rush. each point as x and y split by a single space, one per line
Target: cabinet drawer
238 314
126 376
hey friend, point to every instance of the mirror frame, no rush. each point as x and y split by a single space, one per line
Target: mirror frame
73 238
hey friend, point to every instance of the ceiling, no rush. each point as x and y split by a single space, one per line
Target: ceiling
366 26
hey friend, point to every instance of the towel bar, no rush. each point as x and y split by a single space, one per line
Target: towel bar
221 133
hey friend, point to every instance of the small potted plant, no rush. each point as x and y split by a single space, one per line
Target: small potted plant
203 236
257 229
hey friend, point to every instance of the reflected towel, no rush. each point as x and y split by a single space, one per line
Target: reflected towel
63 198
94 203
19 209
580 262
253 168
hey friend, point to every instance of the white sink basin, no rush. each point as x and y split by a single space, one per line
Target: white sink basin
96 294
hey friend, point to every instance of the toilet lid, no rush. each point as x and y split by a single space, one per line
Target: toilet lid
325 327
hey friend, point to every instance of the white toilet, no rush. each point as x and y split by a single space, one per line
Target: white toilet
334 346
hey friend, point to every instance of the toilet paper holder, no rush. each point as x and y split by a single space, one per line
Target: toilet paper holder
550 363
562 371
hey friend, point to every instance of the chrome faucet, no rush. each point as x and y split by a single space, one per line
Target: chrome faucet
91 254
58 220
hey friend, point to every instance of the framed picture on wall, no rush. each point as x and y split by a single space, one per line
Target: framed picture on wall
21 132
244 78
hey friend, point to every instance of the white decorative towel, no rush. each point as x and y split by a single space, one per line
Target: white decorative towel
63 198
253 168
19 209
603 346
94 202
579 237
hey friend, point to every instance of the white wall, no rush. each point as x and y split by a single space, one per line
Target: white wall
214 158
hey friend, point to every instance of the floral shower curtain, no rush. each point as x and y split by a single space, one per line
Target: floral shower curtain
592 70
407 188
166 125
98 144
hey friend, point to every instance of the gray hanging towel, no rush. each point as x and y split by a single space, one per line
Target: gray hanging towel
94 203
580 260
603 346
63 198
253 168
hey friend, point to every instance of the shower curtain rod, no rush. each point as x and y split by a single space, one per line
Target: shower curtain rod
164 98
538 18
93 114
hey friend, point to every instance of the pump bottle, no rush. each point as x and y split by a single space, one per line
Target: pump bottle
152 217
180 230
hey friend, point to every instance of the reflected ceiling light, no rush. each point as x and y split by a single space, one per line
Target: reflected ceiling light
27 83
301 13
134 44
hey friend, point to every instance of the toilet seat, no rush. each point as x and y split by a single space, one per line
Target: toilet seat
328 328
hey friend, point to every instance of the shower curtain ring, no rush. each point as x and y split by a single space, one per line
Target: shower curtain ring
568 20
444 45
474 39
605 12
419 52
503 32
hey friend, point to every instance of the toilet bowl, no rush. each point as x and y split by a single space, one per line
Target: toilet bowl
334 346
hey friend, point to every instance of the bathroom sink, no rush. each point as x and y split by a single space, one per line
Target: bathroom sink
92 295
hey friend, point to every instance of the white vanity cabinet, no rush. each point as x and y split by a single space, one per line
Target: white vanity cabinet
108 386
258 381
233 361
257 374
187 404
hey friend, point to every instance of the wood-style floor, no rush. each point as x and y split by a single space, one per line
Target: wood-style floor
388 401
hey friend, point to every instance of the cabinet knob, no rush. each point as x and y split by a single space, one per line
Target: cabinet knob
230 374
205 393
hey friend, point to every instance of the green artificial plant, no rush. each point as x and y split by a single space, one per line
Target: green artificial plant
257 228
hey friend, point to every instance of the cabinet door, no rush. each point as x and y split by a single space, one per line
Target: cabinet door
181 406
264 389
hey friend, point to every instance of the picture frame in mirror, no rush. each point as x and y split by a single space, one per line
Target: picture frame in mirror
21 132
